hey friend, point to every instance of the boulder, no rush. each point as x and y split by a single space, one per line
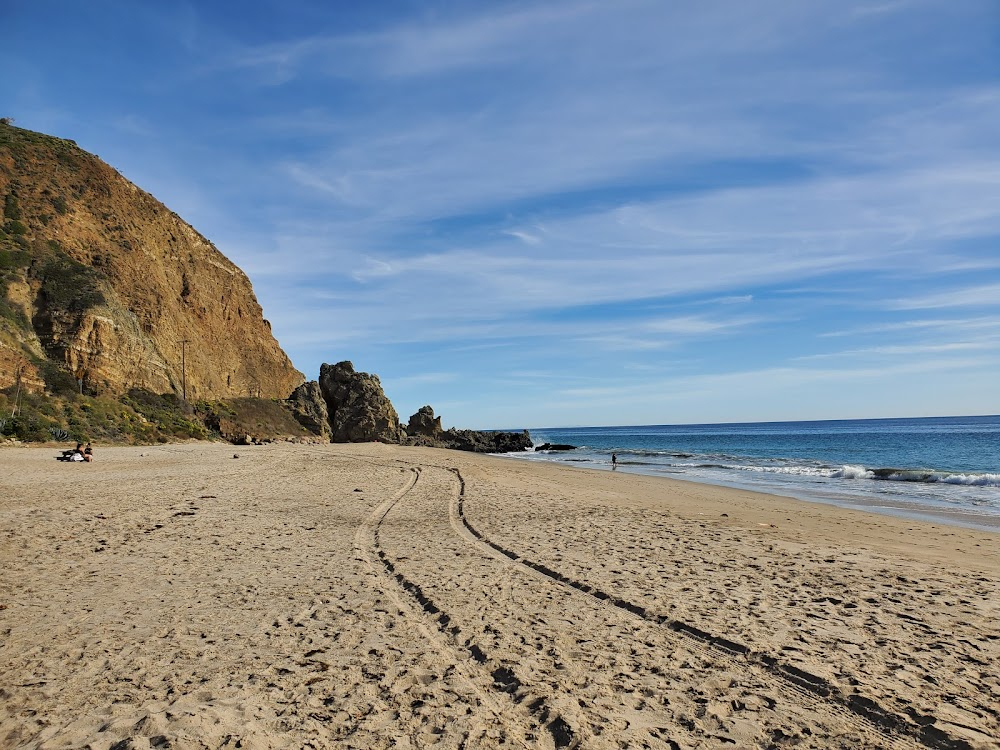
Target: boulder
424 424
309 408
555 447
357 407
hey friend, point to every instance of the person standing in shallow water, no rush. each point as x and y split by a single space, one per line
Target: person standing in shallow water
614 461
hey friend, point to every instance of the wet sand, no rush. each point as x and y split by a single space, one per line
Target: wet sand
368 596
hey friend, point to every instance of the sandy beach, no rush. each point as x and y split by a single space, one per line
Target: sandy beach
373 596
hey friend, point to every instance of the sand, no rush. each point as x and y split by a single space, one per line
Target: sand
368 596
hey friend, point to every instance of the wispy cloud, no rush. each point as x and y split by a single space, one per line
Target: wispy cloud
658 204
951 326
904 351
768 382
982 295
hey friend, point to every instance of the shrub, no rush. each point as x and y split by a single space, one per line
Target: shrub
10 208
69 286
58 380
170 416
12 312
11 260
31 428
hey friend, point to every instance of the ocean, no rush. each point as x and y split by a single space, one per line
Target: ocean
941 468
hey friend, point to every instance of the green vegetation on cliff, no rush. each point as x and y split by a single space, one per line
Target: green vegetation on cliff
140 417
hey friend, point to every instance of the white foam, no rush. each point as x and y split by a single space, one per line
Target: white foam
972 480
800 471
852 472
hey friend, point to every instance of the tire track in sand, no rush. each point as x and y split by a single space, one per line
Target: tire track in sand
861 711
447 638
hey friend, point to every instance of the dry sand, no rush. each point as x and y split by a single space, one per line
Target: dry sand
367 596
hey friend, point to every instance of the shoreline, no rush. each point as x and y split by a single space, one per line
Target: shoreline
905 510
357 595
939 469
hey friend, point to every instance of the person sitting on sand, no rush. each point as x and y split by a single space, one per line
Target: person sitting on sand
88 453
77 453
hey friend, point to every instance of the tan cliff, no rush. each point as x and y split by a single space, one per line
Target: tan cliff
100 279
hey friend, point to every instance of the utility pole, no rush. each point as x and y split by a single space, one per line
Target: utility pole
17 396
184 385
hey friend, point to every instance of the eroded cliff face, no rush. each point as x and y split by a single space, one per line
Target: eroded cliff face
98 276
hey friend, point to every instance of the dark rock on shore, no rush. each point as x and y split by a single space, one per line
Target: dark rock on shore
555 447
358 409
486 442
425 429
309 408
346 406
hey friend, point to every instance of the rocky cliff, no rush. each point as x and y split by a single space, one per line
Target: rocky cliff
99 279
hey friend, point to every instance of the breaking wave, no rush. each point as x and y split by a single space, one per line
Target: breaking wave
855 472
722 462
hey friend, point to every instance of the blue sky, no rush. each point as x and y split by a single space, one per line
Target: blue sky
537 214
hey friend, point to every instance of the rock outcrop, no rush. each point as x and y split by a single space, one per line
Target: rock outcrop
481 441
309 408
425 429
424 424
358 408
102 281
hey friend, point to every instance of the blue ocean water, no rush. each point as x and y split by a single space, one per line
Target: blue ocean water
945 467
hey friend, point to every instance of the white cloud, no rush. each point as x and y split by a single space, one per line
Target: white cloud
741 299
983 295
951 326
525 237
424 378
903 350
